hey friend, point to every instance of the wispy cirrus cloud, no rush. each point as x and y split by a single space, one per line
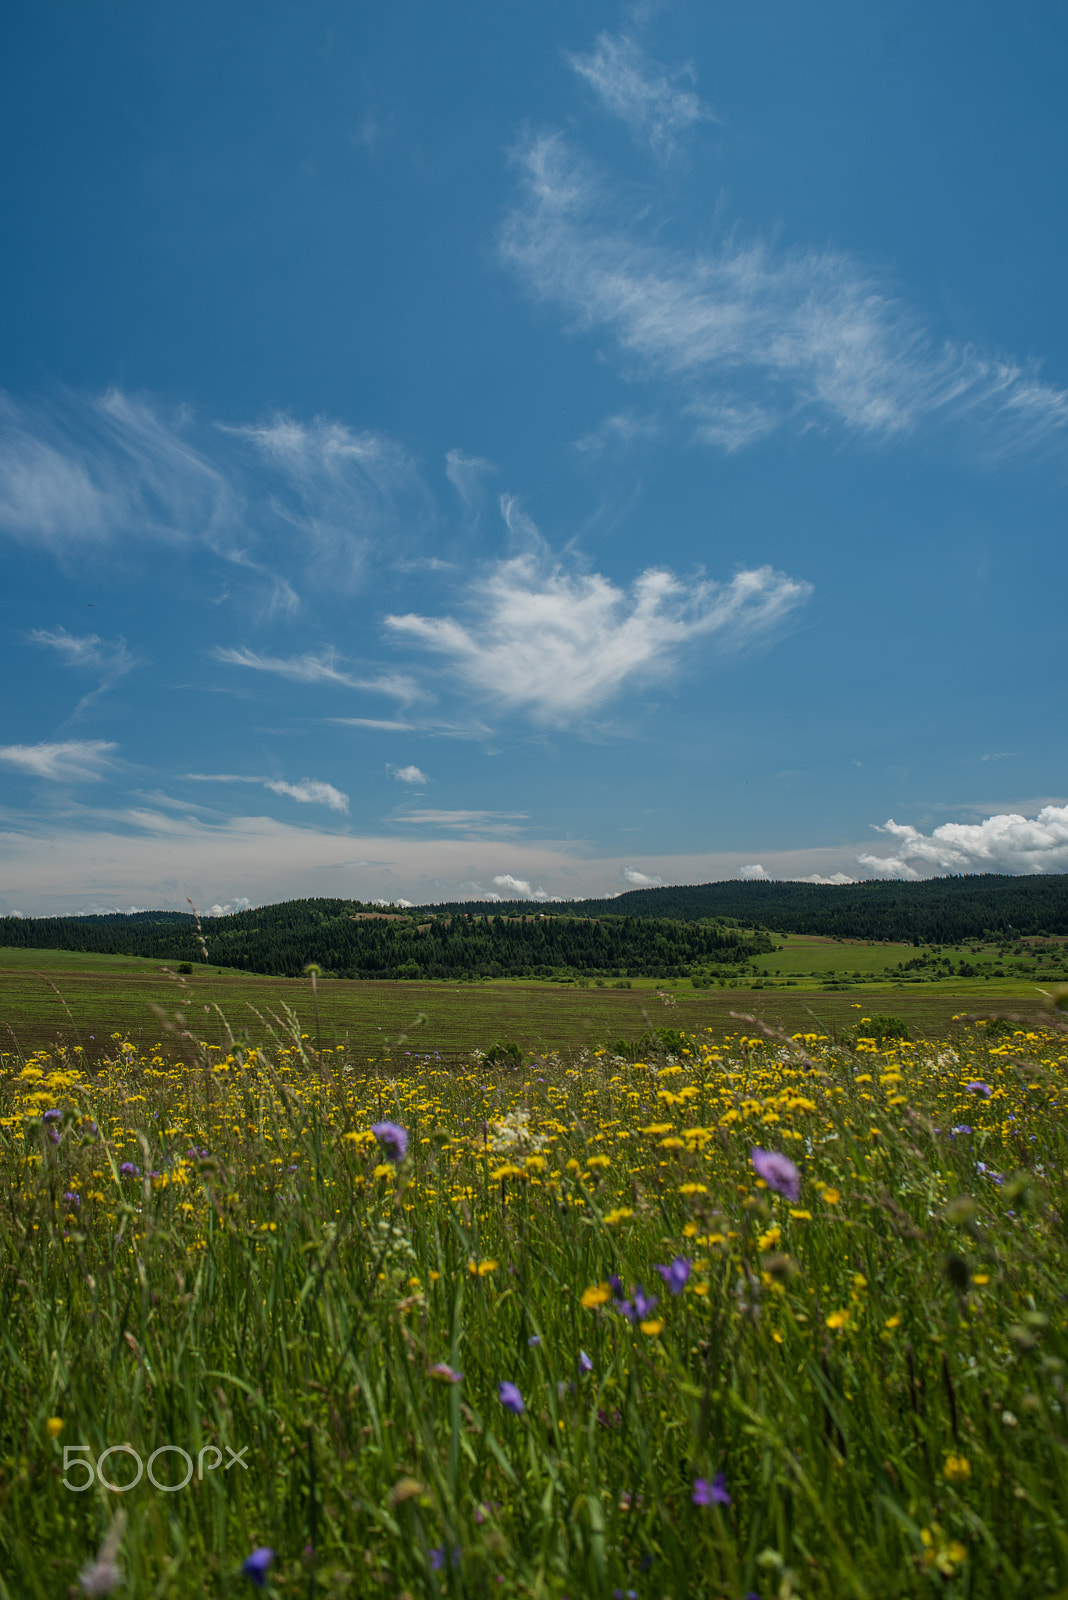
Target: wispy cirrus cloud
617 431
111 658
1006 842
347 493
327 667
751 336
309 791
467 475
461 819
87 471
84 470
70 761
558 644
649 97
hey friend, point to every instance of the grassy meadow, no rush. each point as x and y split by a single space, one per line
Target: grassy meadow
767 1316
50 996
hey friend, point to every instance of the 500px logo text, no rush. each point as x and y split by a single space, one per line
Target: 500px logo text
79 1456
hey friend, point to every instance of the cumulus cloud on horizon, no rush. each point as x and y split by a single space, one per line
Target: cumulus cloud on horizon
519 889
640 880
1006 842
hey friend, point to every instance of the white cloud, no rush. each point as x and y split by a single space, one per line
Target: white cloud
466 473
379 724
640 880
559 645
71 761
346 491
324 668
401 905
831 878
616 431
497 820
239 903
88 652
309 791
1006 842
52 866
753 872
749 335
519 889
89 471
516 886
645 95
412 775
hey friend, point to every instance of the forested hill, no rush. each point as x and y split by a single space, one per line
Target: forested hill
350 940
934 910
658 933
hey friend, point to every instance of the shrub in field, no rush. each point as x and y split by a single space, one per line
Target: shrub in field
883 1029
504 1055
773 1317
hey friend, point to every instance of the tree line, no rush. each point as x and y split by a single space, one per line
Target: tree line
347 940
932 911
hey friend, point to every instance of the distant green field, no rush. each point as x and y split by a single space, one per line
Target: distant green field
84 999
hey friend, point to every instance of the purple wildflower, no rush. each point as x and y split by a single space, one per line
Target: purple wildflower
585 1364
978 1087
615 1283
676 1275
639 1306
440 1557
711 1494
778 1172
444 1373
72 1201
393 1139
533 1341
127 1169
960 1128
255 1566
510 1397
55 1115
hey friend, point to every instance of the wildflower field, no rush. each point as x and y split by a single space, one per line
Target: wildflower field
767 1316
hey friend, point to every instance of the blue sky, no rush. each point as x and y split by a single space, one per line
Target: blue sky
529 449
